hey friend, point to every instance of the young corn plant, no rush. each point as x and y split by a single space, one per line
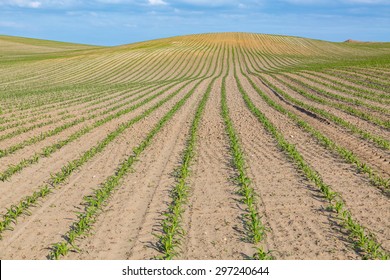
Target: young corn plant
59 177
96 201
61 249
253 224
382 183
350 110
361 237
379 141
47 151
172 232
169 240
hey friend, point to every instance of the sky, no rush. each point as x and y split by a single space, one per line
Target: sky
116 22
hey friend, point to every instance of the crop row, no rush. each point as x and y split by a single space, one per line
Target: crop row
356 80
124 68
170 238
106 68
379 141
88 95
15 211
351 86
56 98
254 227
334 96
48 150
340 87
76 86
94 202
187 70
94 113
371 75
345 108
343 152
87 114
361 237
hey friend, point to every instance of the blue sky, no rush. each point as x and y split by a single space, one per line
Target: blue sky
114 22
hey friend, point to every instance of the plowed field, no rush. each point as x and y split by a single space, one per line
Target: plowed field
214 146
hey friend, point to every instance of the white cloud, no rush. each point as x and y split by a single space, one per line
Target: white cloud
367 1
40 3
157 2
35 4
221 3
115 1
209 3
303 2
11 24
22 3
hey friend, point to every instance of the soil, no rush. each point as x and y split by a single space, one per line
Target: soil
298 222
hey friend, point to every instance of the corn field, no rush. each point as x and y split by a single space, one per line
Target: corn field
209 146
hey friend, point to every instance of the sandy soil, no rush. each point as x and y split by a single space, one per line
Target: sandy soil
28 180
291 207
213 219
366 151
143 196
355 189
299 224
360 123
47 220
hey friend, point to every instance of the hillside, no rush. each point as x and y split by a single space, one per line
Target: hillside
10 45
209 146
79 60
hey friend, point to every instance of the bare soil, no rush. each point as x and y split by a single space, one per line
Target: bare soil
298 222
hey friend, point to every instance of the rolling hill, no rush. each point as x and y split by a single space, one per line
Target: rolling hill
208 146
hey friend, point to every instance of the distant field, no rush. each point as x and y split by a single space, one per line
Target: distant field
212 146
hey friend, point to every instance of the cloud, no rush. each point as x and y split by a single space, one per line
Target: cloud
157 2
218 3
208 2
114 2
367 1
331 2
11 24
35 4
22 3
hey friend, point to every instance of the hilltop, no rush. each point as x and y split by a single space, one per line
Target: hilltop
15 50
271 44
